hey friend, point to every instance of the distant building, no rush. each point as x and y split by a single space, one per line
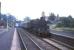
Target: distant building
0 8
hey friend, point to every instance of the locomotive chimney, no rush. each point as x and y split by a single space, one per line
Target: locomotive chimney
43 14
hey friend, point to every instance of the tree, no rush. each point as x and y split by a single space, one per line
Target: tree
70 17
52 17
66 22
27 19
11 20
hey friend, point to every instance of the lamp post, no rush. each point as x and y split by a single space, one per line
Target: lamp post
7 22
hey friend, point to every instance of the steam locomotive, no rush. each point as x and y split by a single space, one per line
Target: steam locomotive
38 27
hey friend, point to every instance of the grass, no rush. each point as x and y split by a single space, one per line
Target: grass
53 27
63 29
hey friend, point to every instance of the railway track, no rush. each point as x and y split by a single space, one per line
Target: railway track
56 44
49 43
44 45
29 44
32 42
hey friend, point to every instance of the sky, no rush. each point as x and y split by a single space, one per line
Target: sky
33 8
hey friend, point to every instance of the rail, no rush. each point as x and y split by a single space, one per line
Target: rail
25 46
